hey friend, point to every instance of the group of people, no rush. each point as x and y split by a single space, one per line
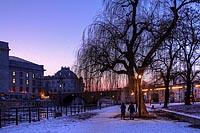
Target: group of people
131 110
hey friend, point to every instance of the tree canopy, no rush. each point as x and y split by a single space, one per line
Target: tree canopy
123 39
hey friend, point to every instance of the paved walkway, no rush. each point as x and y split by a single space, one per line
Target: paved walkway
106 120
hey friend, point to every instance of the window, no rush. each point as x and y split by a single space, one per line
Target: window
20 89
21 81
14 81
27 89
21 74
33 75
33 82
27 82
14 89
14 73
27 75
33 90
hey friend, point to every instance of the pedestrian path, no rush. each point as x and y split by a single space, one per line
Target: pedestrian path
102 121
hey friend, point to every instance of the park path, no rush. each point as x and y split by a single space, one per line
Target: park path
107 122
102 121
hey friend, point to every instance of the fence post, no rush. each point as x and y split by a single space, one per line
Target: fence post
75 109
0 119
54 111
78 109
16 116
71 109
38 110
66 110
84 108
29 110
47 112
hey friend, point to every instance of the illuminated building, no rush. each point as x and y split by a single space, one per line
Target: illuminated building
176 92
64 81
19 79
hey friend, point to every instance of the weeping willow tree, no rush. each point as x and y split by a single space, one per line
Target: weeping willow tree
124 38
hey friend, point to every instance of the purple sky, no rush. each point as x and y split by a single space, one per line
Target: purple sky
47 32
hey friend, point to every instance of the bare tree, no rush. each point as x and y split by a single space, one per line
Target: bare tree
165 63
124 38
190 48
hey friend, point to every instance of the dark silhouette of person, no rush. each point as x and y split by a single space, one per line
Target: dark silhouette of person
131 110
123 111
99 105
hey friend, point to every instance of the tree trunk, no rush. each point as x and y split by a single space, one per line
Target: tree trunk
132 87
187 95
166 81
135 85
166 95
140 98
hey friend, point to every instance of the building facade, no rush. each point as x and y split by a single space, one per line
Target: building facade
64 81
4 67
24 78
177 90
19 79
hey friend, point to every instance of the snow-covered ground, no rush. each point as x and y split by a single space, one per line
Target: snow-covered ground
104 121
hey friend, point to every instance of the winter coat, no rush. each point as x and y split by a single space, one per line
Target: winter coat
131 108
123 108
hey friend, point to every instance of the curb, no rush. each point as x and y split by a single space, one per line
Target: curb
195 120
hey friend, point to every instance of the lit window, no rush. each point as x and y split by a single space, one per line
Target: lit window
27 82
14 81
33 75
14 73
27 75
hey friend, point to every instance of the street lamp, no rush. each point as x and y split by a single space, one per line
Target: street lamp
132 97
139 83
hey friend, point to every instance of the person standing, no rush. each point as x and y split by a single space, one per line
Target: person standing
123 111
131 110
99 105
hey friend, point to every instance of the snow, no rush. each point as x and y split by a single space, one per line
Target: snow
104 122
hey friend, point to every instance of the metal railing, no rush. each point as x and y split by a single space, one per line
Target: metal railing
32 111
10 116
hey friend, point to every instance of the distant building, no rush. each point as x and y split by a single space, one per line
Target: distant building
177 90
24 78
4 67
64 81
19 79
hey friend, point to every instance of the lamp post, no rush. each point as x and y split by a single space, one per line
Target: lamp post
132 97
139 92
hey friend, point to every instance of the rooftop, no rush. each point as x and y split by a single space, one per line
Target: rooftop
19 59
